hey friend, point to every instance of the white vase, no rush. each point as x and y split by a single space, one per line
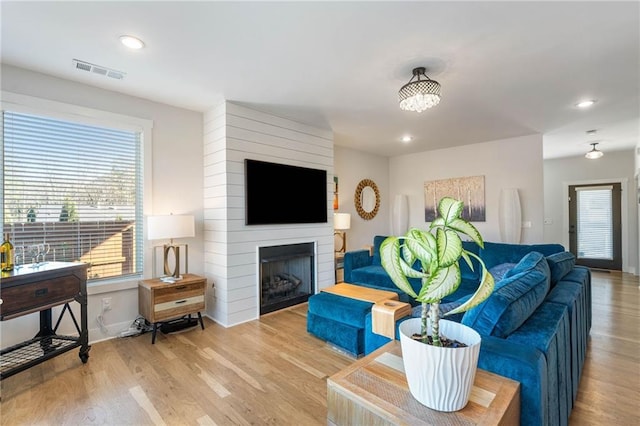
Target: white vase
440 378
510 216
400 214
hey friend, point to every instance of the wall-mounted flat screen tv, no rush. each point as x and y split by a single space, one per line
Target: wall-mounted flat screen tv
284 194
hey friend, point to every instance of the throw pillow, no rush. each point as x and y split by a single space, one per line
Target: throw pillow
416 311
560 265
499 271
530 261
513 300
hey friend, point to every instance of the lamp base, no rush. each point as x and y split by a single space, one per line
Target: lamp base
175 273
343 239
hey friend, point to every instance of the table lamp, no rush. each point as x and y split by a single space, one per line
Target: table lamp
170 227
341 222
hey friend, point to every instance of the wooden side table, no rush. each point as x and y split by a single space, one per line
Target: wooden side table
160 302
374 390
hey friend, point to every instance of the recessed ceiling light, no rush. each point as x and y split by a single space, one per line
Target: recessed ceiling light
586 104
131 42
406 139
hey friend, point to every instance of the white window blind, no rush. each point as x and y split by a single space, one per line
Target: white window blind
75 188
595 222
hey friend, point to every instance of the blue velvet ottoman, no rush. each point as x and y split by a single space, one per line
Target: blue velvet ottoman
338 320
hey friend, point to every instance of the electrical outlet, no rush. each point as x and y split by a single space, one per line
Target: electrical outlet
106 304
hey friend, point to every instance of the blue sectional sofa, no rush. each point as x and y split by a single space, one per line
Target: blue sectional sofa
534 326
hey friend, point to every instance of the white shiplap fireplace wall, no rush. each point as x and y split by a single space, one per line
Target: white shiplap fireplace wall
233 133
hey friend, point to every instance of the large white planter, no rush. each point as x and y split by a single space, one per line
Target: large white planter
440 378
510 216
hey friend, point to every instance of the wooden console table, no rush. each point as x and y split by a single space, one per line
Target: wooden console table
38 289
374 390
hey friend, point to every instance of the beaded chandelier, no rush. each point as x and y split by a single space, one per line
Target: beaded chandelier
418 95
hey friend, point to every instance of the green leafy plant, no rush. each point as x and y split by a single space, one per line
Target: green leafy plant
437 252
68 212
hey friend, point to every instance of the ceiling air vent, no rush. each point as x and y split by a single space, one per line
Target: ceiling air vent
97 69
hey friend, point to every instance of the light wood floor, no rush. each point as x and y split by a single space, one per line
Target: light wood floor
609 392
272 371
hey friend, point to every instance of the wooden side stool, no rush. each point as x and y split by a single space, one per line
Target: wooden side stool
384 315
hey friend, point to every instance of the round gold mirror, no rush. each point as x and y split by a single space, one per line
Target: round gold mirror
367 199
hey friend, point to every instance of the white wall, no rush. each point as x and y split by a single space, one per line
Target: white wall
506 163
637 187
617 166
351 167
233 133
176 184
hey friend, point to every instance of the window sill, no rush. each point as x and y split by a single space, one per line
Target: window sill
101 287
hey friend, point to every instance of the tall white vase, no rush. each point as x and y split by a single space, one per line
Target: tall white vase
400 215
510 216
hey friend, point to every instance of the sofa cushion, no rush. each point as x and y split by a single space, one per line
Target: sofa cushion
513 300
377 276
338 308
354 260
547 329
496 253
560 265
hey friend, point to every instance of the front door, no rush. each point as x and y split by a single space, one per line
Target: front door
595 225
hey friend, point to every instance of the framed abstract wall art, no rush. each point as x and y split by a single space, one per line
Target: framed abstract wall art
469 190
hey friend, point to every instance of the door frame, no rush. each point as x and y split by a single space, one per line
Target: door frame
624 213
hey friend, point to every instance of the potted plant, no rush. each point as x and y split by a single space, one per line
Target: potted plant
439 376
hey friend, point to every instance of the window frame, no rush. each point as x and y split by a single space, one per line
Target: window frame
90 116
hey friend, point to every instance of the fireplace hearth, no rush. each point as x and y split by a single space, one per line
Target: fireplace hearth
286 275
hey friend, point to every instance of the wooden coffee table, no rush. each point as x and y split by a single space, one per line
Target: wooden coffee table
374 390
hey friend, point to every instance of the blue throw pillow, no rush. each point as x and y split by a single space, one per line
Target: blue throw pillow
499 271
416 311
513 300
528 262
560 265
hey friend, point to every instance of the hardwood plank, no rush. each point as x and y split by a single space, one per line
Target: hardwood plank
608 392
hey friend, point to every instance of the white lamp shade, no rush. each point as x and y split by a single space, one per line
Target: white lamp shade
341 221
170 226
510 216
400 214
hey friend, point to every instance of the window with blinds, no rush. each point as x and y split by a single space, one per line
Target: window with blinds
595 222
73 192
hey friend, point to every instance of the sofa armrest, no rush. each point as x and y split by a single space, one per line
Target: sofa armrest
523 364
354 260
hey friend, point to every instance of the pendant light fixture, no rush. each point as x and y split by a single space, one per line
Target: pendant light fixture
594 153
418 95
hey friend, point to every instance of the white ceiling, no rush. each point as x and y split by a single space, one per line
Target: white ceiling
506 68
